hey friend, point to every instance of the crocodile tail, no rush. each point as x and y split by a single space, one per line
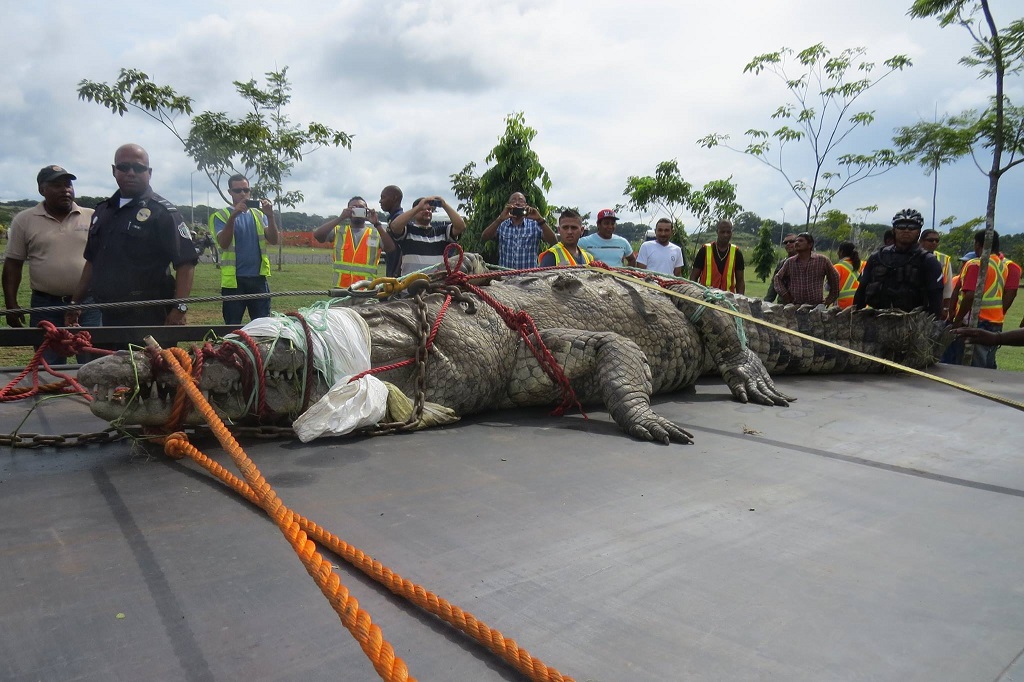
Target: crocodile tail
915 339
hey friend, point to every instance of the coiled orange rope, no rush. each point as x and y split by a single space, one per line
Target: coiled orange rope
298 529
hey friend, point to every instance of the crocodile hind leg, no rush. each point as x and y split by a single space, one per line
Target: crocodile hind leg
600 366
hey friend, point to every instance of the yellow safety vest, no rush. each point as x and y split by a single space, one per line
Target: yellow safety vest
355 262
849 281
563 257
725 280
227 255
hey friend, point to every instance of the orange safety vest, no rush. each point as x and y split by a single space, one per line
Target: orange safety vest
995 281
724 280
563 257
849 281
355 262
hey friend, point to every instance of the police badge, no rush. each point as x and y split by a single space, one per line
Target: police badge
143 215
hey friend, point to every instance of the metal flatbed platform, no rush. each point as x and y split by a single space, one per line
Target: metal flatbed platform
871 531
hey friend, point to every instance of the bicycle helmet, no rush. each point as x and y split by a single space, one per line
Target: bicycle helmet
908 216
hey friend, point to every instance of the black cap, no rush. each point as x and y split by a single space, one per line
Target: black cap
51 173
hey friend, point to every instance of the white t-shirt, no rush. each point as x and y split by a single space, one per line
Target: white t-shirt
663 259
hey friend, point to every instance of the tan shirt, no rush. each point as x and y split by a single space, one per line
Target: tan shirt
52 248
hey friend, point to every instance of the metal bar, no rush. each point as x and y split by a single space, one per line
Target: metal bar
167 335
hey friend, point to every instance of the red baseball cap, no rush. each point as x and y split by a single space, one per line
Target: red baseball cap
606 213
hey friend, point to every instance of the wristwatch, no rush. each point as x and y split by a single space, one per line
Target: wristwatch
182 308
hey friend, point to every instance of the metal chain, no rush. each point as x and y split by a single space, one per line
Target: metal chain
420 367
113 434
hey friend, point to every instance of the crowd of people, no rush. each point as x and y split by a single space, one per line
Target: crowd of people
124 250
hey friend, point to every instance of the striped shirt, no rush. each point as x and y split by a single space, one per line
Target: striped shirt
423 246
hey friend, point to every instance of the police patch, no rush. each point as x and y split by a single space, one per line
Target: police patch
183 231
143 215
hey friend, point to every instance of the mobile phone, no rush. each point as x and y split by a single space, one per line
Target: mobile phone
358 212
517 211
436 203
252 203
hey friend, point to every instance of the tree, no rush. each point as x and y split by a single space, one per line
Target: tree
764 253
997 52
714 202
934 144
747 222
465 185
834 227
668 191
263 145
516 168
821 114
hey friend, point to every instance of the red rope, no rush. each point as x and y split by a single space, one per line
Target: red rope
65 343
519 321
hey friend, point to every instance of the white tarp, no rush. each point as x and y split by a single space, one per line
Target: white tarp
341 349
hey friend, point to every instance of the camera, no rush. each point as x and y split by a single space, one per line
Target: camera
436 203
358 212
252 203
517 211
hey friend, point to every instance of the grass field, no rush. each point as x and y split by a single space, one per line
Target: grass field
312 277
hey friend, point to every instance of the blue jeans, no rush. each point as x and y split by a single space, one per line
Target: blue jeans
257 307
89 318
985 356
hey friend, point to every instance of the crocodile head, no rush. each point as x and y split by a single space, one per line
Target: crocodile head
126 388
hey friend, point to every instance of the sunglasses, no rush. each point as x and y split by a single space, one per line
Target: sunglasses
137 167
931 239
240 190
909 228
789 241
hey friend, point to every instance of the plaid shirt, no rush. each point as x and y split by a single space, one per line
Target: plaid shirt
803 280
517 244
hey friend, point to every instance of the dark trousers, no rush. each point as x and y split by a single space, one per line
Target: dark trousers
89 318
258 307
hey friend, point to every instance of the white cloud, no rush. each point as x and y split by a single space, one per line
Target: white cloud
612 89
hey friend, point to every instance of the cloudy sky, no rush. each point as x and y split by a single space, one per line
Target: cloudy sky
612 88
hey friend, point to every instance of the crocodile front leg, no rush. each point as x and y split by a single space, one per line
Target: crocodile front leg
600 366
741 368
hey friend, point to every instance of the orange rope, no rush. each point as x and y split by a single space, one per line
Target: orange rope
177 446
355 619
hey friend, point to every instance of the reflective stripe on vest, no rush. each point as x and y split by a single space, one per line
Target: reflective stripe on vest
227 255
712 277
563 257
849 281
355 262
945 262
995 280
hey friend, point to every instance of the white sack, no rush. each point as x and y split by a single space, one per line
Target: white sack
344 408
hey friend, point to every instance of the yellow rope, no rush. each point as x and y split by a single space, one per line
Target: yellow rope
828 344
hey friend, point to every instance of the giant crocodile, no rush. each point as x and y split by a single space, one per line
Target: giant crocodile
618 343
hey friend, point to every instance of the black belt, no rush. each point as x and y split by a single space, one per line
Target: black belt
63 299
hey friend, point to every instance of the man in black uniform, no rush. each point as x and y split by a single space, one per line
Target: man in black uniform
135 237
902 275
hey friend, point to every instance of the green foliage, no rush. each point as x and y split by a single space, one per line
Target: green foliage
263 145
747 222
764 253
960 239
997 52
516 168
668 192
465 185
824 90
